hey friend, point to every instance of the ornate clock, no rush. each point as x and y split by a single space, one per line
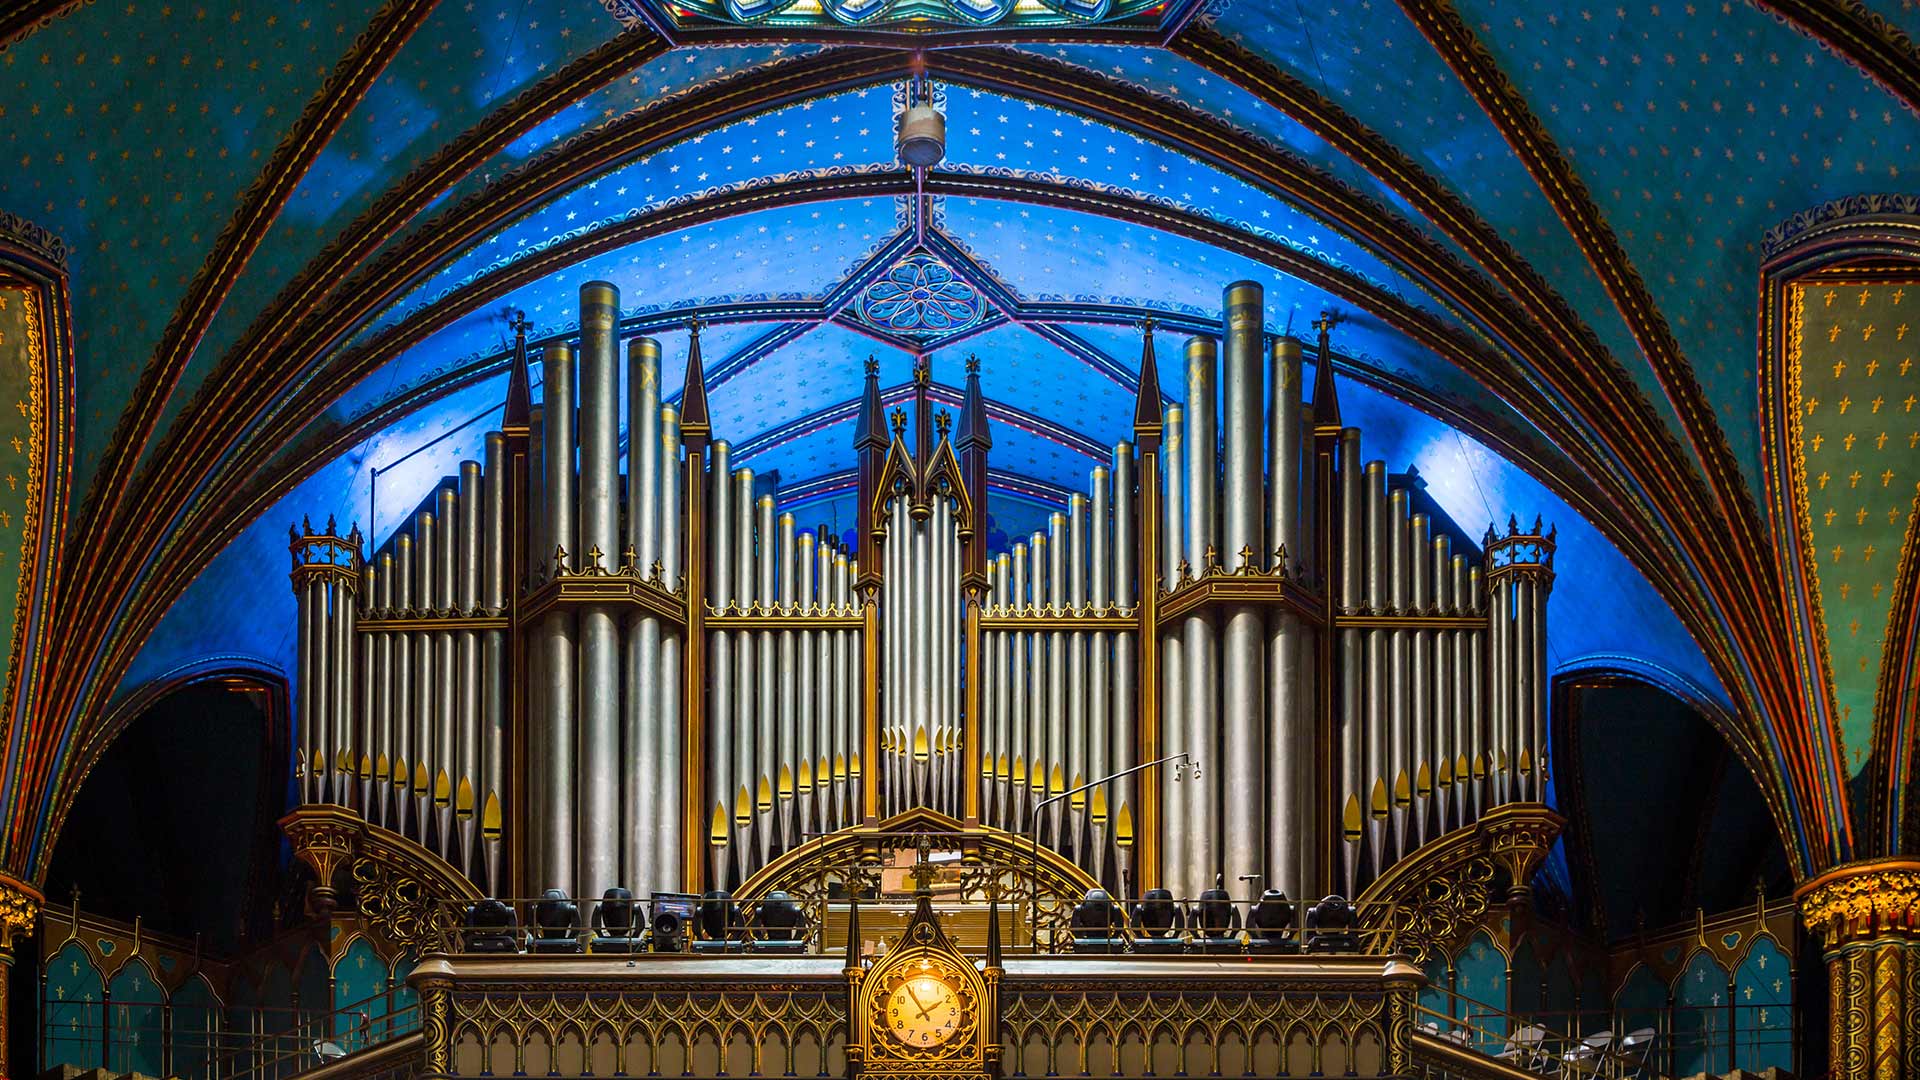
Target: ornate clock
924 1010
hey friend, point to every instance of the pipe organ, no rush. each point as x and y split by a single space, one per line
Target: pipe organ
1244 654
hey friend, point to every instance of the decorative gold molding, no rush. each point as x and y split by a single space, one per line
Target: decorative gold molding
20 905
1863 902
1436 896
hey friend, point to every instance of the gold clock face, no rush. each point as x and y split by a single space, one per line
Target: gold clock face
924 1011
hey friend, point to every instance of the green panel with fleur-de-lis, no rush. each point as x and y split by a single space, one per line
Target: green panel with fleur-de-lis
1853 349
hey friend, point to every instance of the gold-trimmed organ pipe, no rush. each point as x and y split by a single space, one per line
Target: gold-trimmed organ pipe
766 685
1199 635
1123 701
597 748
632 765
467 723
1291 824
403 820
1239 745
426 681
494 707
721 686
1099 734
746 775
667 832
1175 723
555 724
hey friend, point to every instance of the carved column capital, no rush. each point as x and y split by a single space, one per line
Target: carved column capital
1518 837
1863 902
19 906
323 836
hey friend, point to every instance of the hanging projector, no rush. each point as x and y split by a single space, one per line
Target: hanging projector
923 135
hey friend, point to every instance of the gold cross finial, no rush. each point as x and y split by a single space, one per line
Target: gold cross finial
594 555
973 364
898 420
923 866
922 369
873 366
695 324
942 423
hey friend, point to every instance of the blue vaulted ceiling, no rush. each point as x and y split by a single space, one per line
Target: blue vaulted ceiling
1692 129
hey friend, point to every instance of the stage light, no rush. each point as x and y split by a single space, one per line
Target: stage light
556 921
491 927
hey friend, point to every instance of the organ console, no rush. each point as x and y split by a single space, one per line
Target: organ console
561 674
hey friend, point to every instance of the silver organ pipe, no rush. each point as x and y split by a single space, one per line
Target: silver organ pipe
1243 639
637 770
1123 718
559 601
466 727
746 773
596 696
721 778
380 803
556 724
806 698
766 684
1198 633
786 730
1174 715
403 820
1290 817
669 833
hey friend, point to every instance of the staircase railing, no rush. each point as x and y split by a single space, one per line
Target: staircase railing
243 1043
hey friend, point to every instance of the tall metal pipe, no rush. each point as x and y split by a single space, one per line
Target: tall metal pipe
632 775
447 697
1125 595
1289 738
1524 751
1537 650
427 680
1353 710
1199 634
380 798
1243 688
533 655
767 682
720 694
467 733
1038 698
1077 690
789 699
746 699
1420 678
1058 668
1173 686
1099 760
361 752
1444 678
558 659
846 680
1019 711
1378 775
494 710
402 696
806 688
669 827
1473 667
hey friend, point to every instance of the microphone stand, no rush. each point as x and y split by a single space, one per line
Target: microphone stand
1033 814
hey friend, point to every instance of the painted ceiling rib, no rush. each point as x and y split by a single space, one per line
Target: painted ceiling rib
1740 576
369 55
1863 38
186 460
950 396
31 15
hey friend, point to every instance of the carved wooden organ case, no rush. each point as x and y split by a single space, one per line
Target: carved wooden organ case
560 674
